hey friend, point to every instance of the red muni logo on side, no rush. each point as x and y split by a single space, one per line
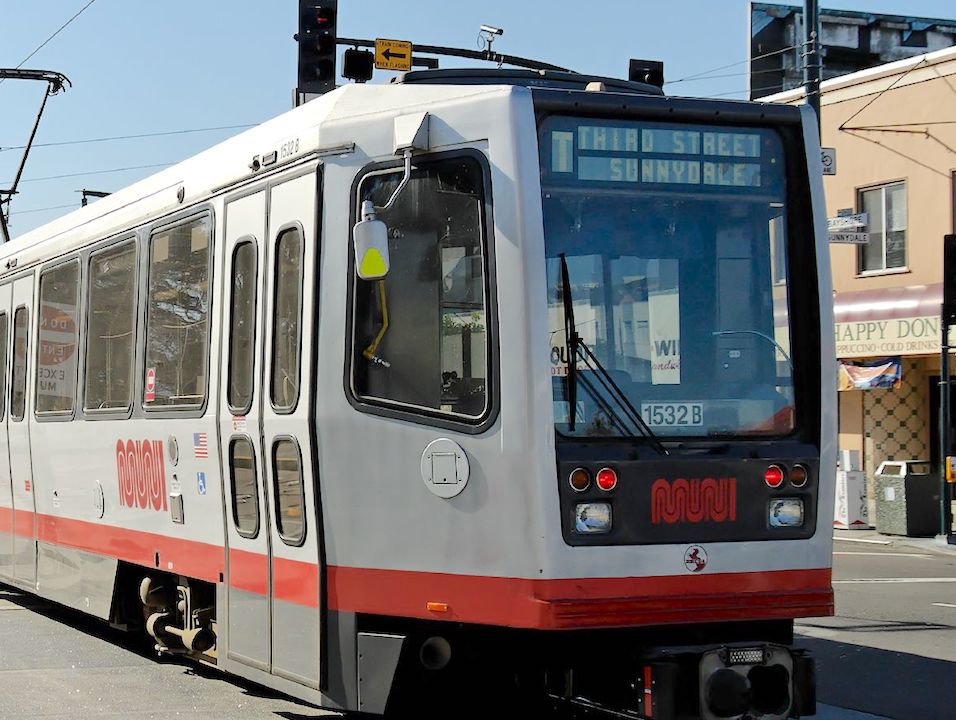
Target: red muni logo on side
141 473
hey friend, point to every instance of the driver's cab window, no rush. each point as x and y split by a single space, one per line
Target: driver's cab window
420 336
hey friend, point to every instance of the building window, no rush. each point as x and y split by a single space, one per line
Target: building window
885 208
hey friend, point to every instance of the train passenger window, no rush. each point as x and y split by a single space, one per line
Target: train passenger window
245 487
289 492
56 347
177 328
242 331
3 365
111 333
420 336
286 311
21 337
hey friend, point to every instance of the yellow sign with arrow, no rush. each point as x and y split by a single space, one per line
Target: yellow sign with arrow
393 54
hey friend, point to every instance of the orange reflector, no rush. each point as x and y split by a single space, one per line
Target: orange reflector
799 476
580 479
437 607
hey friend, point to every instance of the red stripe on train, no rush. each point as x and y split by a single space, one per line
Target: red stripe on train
18 522
186 557
514 602
292 581
590 602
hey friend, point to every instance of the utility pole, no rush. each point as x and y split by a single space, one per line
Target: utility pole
812 56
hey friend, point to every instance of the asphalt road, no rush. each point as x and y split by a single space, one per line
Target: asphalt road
890 652
56 664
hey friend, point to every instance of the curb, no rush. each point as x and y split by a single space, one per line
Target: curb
936 544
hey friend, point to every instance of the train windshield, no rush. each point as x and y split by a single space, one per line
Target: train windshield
666 245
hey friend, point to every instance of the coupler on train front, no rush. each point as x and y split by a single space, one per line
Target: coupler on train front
596 674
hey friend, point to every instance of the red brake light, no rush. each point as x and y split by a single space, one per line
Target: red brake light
774 476
606 479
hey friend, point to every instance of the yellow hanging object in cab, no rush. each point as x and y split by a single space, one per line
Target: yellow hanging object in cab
373 264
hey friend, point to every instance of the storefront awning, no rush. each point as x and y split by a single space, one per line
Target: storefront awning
893 321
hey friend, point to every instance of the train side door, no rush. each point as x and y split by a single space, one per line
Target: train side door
288 440
6 489
18 434
248 582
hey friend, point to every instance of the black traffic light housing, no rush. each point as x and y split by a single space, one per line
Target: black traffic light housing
358 65
316 38
949 279
646 71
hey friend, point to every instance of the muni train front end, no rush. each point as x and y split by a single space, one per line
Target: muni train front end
687 295
650 460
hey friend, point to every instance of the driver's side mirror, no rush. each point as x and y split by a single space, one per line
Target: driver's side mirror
370 240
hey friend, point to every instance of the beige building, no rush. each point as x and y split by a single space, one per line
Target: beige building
894 131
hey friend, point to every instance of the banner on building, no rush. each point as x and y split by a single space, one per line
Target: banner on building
870 374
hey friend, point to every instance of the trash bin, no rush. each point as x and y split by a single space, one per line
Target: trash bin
907 498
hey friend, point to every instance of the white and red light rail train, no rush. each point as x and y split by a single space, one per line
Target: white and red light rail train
475 384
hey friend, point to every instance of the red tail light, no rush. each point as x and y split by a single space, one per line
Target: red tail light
774 476
606 479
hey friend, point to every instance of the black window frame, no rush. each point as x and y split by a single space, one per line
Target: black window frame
245 240
415 414
14 416
79 348
280 232
115 412
166 224
277 514
233 441
4 357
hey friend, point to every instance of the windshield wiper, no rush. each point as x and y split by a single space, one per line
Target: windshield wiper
571 339
575 346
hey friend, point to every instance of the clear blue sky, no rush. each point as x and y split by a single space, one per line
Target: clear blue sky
145 67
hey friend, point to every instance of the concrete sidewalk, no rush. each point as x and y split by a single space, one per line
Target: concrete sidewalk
936 544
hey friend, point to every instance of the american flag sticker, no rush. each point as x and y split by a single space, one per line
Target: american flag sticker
200 445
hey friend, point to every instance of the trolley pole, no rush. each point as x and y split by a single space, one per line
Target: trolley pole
812 57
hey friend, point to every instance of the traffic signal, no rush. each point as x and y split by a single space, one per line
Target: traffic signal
949 279
316 38
646 71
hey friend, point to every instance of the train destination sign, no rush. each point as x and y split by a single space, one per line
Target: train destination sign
655 155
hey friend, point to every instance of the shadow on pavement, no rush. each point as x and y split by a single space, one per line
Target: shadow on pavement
882 682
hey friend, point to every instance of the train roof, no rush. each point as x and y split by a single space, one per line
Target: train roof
228 163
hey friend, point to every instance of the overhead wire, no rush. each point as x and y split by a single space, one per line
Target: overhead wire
138 136
46 209
97 172
733 64
60 29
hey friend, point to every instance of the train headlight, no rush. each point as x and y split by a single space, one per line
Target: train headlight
785 512
592 518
